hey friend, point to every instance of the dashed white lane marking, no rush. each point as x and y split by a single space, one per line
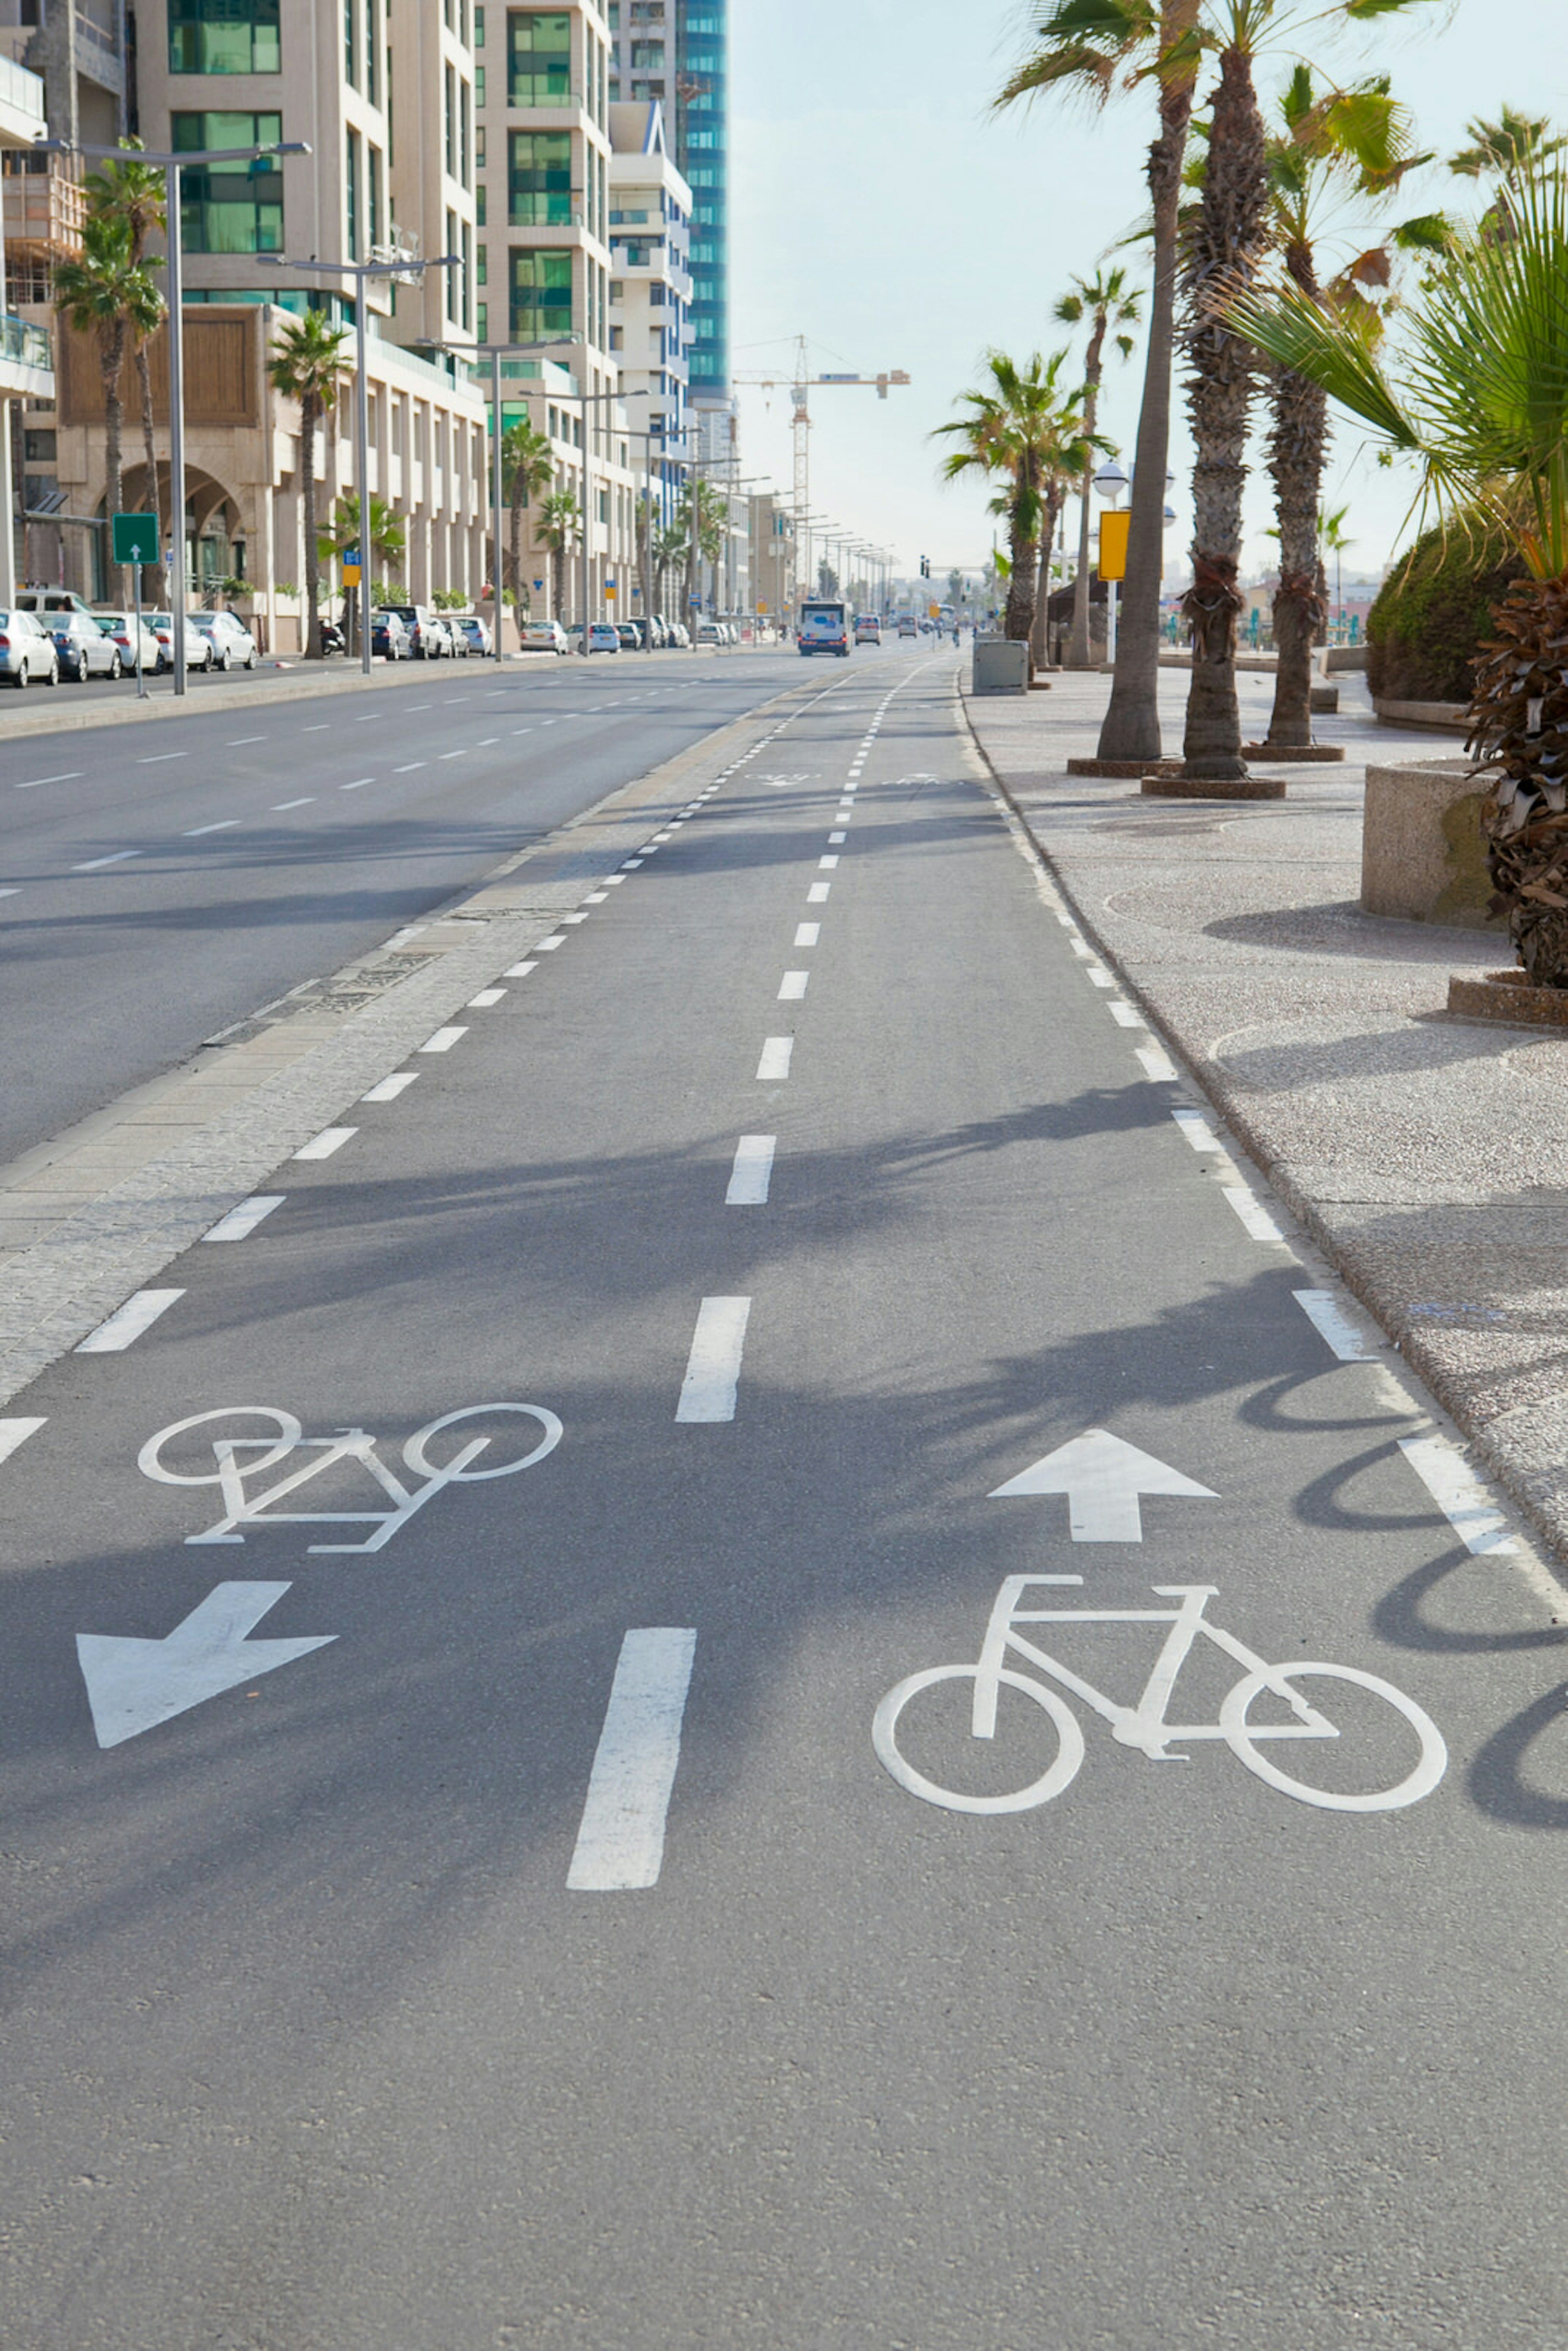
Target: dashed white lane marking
520 970
792 987
1329 1319
1459 1494
596 897
621 1838
548 946
411 767
581 916
11 890
613 881
486 998
97 864
322 1145
775 1063
359 782
324 727
629 863
1197 1130
1126 1016
486 743
70 776
807 933
245 1217
838 836
156 759
226 824
279 805
817 895
1157 1064
13 1433
453 755
1100 977
1254 1215
127 1323
824 863
444 1040
713 1367
388 1089
752 1172
421 706
238 742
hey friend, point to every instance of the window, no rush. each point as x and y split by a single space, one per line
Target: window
538 179
351 197
617 339
480 156
467 277
484 315
649 55
370 50
483 278
237 209
479 102
481 204
350 62
539 58
541 296
450 125
479 31
211 37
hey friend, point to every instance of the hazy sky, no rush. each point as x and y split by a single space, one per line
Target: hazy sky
880 209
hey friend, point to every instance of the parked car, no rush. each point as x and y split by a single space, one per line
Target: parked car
231 642
121 628
631 635
473 634
390 638
25 652
708 633
661 632
198 649
84 649
39 600
445 630
603 637
543 637
680 636
426 634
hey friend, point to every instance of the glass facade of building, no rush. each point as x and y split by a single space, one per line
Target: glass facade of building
216 36
701 119
235 210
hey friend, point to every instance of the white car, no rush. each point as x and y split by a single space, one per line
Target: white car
25 653
198 648
544 637
121 628
226 634
603 637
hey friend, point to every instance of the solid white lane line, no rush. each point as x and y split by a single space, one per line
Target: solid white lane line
1459 1494
1330 1321
1126 1016
97 864
826 864
227 824
388 1089
279 805
1252 1212
520 970
752 1172
70 776
792 987
443 1040
1197 1130
817 895
775 1063
807 933
1157 1063
127 1323
245 1217
713 1367
322 1145
621 1838
156 759
13 1433
486 998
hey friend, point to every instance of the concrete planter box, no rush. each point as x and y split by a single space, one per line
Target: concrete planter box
1001 666
1421 853
1443 717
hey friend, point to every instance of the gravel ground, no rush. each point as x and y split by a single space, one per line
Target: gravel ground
1429 1155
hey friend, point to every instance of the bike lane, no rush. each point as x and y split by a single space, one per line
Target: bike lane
331 1992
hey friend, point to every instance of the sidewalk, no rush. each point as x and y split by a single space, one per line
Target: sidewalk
1427 1154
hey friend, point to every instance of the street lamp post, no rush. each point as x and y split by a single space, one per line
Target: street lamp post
174 164
1108 484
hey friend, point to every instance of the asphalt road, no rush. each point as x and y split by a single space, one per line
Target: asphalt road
162 882
480 1979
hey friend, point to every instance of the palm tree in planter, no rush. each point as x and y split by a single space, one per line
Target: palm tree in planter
307 365
110 297
526 467
559 529
134 194
1476 390
1019 425
1106 301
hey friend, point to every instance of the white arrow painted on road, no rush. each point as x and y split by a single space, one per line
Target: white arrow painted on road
133 1685
1102 1477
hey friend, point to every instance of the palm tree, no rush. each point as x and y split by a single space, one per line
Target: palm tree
388 541
109 297
1104 300
669 548
1019 426
134 194
559 529
307 365
702 515
1475 394
1092 48
526 467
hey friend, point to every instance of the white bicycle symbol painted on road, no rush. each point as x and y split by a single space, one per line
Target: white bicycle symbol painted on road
1144 1725
241 1459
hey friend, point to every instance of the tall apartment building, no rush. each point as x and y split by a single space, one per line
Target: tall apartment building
649 294
678 51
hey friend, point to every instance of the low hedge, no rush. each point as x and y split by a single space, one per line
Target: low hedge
1434 613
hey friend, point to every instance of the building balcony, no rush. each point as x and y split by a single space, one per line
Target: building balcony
44 206
21 104
27 359
99 54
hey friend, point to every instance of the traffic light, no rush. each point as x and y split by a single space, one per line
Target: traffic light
925 567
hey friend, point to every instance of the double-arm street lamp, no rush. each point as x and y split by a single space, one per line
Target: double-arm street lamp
406 267
204 157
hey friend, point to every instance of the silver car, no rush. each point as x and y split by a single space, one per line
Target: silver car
230 640
121 628
84 649
25 653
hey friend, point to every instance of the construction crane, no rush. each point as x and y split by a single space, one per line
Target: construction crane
800 385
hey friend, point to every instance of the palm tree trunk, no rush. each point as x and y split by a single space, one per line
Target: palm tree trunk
520 508
1132 725
1225 255
153 587
1296 450
1039 631
1079 655
308 411
112 364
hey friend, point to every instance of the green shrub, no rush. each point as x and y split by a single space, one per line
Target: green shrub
1434 613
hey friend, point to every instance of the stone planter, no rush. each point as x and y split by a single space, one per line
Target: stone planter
1422 857
1442 717
1508 996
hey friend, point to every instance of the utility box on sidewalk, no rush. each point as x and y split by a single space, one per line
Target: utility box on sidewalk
1001 666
